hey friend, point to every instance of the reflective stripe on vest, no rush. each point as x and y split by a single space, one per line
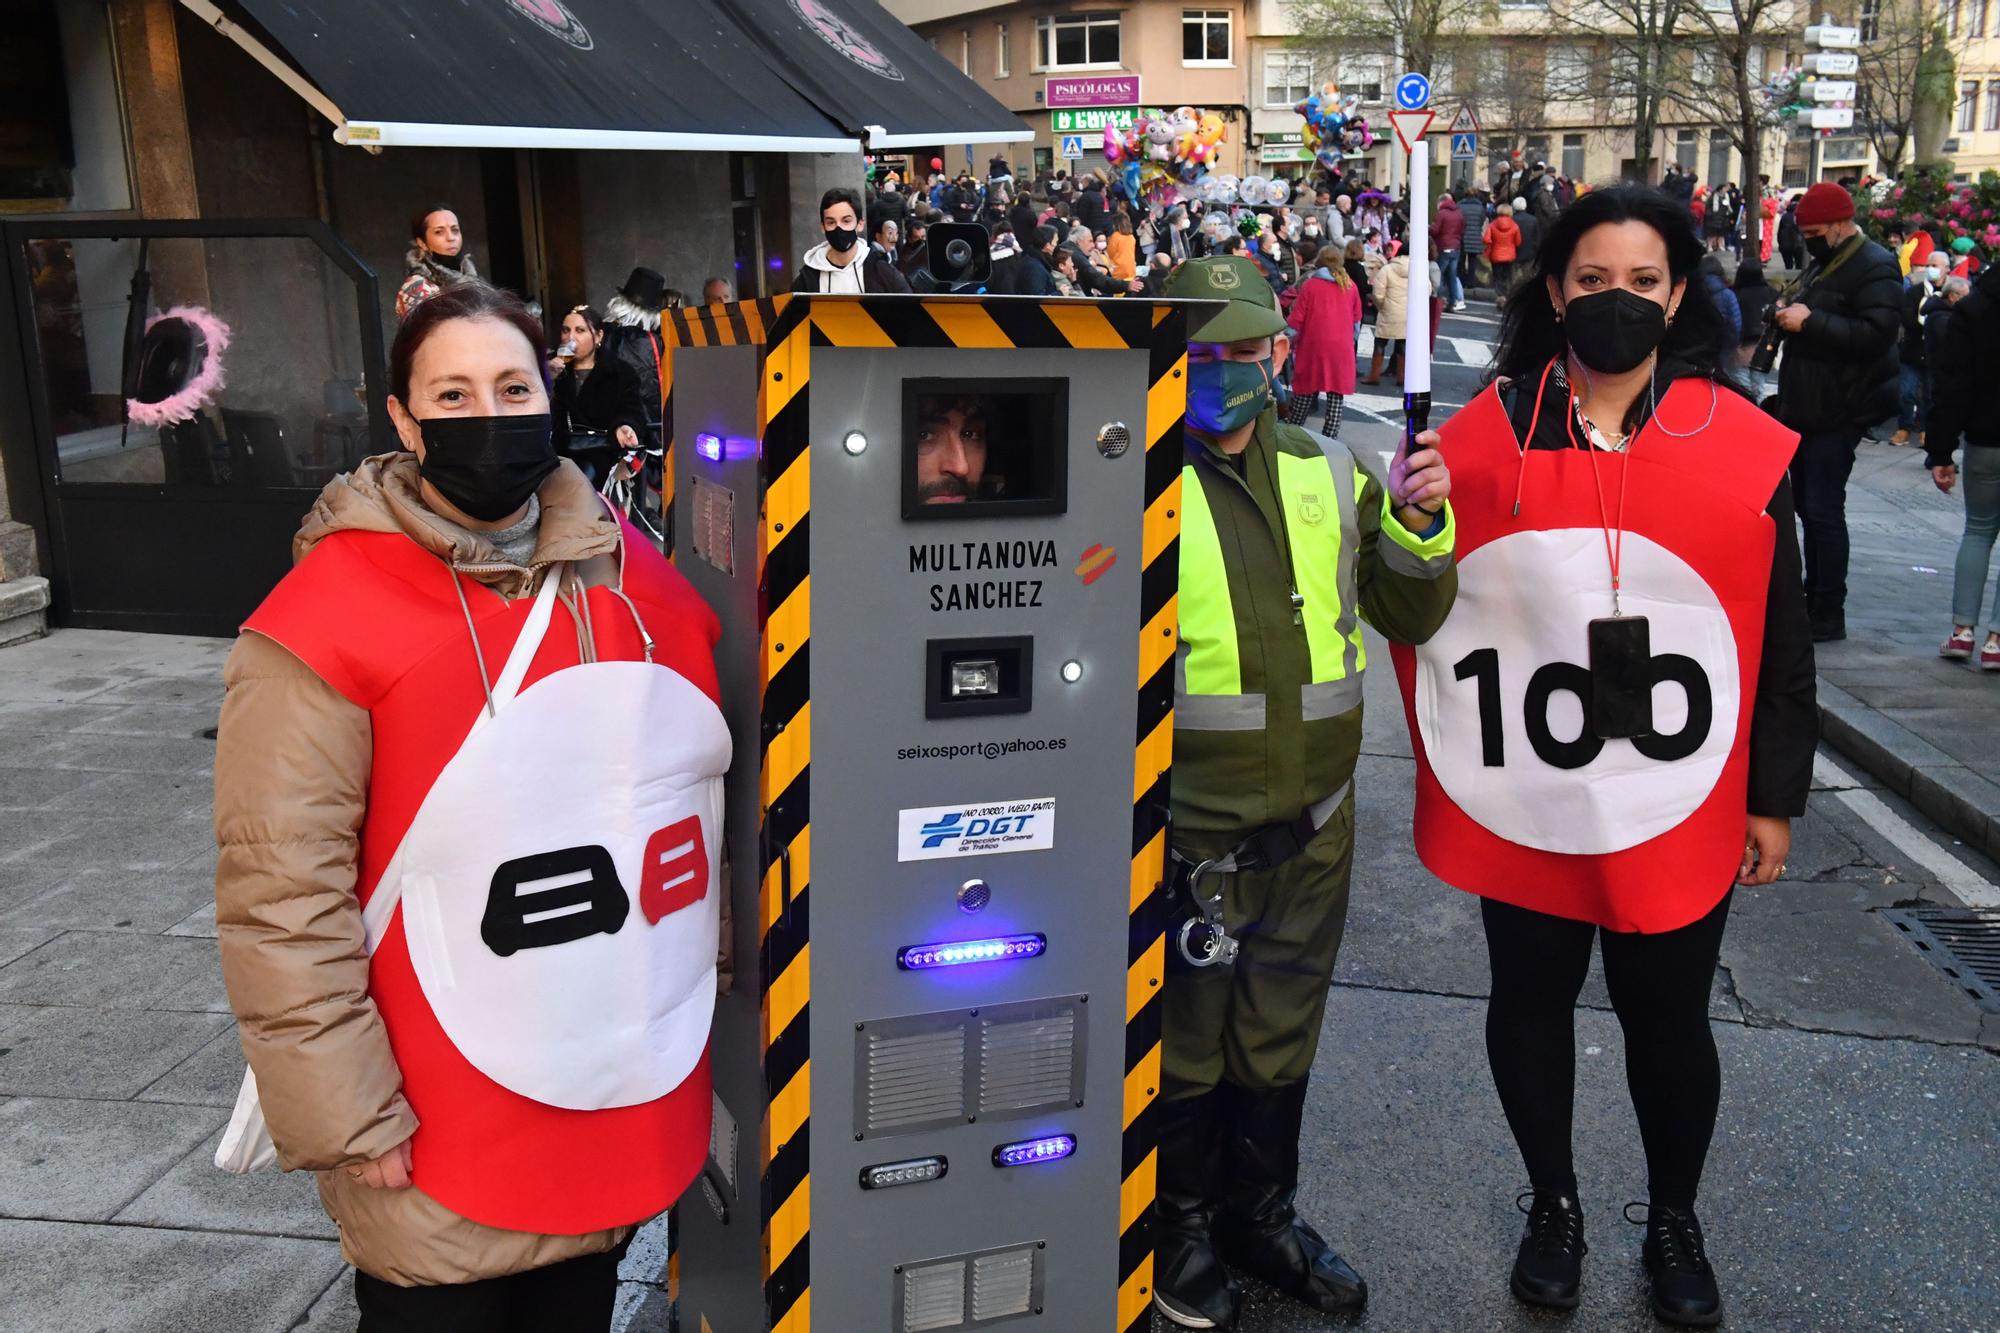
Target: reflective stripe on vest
1319 507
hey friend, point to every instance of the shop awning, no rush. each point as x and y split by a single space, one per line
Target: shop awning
619 74
787 76
867 70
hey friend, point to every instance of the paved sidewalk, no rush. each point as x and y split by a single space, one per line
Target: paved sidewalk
118 1058
1928 728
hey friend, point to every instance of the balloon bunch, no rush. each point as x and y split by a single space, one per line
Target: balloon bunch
1334 126
1161 157
1224 189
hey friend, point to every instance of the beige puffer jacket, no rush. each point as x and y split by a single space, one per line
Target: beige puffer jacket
291 781
1392 298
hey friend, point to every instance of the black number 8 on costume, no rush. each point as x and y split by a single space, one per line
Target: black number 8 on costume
1483 666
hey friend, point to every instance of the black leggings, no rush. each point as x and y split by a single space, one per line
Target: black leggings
1659 988
574 1296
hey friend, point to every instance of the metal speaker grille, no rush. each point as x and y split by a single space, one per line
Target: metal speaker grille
933 1297
722 1142
1027 1063
916 1079
1003 1284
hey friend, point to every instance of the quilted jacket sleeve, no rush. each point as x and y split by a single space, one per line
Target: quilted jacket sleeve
291 782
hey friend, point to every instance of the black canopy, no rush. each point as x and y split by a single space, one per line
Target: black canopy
660 74
867 70
804 76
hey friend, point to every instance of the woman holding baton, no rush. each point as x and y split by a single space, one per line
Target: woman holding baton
1615 726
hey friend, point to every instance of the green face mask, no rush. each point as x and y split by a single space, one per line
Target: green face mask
1226 395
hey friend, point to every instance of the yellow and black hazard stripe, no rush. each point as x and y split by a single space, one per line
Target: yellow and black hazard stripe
786 329
785 959
1159 583
738 325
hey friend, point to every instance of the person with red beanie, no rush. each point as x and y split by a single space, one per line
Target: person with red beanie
1837 377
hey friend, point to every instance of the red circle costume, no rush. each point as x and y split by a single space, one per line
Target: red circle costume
1513 802
377 618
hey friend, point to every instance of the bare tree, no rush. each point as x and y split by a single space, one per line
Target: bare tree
1729 42
1635 40
1416 31
1891 59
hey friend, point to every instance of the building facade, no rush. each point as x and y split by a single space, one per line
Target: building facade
1179 55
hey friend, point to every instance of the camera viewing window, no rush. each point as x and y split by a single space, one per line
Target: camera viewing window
985 447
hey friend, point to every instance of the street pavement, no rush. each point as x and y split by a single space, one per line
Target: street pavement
1850 1187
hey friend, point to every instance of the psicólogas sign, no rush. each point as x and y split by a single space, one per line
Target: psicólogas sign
1093 90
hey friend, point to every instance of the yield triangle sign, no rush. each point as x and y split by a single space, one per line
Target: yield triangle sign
1411 126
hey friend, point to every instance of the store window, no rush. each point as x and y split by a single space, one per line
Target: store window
1287 77
1572 164
1205 36
62 135
1968 105
1076 41
1718 157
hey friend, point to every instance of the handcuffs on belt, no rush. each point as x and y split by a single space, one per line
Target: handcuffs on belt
1202 939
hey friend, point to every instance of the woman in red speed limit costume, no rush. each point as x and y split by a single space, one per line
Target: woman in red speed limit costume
1615 725
468 793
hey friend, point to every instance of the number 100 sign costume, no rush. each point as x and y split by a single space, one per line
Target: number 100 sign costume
1517 798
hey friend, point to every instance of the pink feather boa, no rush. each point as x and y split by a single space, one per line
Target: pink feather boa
198 391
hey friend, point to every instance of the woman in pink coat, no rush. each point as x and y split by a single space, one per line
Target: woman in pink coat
1323 319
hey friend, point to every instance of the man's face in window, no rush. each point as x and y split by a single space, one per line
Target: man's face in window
951 453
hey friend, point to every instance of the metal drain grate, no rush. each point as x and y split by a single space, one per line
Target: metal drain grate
1962 943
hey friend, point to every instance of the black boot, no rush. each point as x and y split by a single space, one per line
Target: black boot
1828 626
1548 1270
1261 1232
1684 1290
1190 1286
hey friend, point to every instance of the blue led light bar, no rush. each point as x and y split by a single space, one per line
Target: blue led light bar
709 446
1052 1148
957 953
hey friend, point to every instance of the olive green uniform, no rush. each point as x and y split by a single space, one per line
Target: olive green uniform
1267 725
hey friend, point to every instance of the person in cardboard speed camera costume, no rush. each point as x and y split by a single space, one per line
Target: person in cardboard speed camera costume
468 798
1617 721
1283 551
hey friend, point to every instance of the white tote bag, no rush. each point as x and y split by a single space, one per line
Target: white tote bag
246 1144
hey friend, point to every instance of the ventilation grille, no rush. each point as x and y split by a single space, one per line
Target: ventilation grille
934 1297
971 1290
1002 1284
1003 1061
915 1080
1026 1064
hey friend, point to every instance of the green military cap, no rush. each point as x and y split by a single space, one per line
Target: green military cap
1252 311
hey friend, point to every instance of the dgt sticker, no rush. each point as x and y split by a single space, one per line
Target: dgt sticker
937 832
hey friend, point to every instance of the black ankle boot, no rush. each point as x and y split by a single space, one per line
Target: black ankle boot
1548 1270
1684 1290
1191 1288
1828 626
1261 1232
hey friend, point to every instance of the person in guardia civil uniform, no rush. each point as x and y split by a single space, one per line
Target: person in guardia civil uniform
1284 551
1617 723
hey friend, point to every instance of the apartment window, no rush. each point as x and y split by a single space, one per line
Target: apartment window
1076 41
1968 104
1362 76
965 51
1951 8
1441 75
1205 36
1566 73
1624 73
1287 77
1707 67
1977 27
1993 105
1718 6
1524 4
1718 156
1871 20
1572 165
1685 148
1003 54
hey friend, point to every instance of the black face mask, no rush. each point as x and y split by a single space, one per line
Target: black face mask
1820 248
451 262
487 467
1614 331
841 239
